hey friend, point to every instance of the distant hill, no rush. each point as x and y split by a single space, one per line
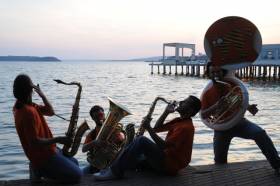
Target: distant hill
28 58
155 58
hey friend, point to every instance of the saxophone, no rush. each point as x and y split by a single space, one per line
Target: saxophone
141 129
72 133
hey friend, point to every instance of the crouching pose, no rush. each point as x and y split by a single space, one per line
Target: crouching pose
36 138
243 128
163 156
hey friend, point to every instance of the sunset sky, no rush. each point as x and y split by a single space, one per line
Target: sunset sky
121 29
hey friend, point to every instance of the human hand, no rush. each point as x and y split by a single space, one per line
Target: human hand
253 109
146 122
64 140
38 90
170 108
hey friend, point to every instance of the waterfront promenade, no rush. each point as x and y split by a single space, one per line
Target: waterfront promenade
243 173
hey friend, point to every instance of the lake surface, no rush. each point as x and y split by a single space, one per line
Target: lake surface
132 85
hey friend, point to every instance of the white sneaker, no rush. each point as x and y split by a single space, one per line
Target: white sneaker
105 174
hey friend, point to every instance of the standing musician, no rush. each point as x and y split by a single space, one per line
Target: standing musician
39 145
163 156
243 129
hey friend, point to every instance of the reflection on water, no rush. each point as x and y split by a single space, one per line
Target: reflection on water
131 85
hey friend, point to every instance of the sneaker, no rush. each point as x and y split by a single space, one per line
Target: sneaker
105 174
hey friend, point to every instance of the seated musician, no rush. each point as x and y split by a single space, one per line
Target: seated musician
98 116
39 145
163 156
243 129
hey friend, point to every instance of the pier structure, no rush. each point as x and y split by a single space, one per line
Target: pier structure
265 68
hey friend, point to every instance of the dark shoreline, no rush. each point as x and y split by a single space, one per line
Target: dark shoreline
28 59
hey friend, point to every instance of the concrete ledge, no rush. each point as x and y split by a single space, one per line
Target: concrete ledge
243 173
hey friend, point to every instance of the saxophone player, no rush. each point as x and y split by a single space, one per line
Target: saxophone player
39 145
243 129
163 156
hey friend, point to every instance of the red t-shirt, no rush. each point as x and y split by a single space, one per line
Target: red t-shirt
30 125
179 141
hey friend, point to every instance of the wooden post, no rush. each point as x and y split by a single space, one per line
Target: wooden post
152 68
259 72
182 70
169 69
193 68
274 72
158 70
269 73
176 69
204 71
164 69
278 72
264 73
187 70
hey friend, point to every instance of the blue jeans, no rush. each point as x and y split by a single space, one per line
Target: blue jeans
140 150
89 169
61 168
247 130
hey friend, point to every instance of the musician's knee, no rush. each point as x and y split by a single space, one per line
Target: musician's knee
141 140
259 135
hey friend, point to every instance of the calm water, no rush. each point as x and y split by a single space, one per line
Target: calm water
131 84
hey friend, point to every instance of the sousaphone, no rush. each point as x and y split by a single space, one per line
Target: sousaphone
230 43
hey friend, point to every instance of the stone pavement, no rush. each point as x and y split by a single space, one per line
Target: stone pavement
243 173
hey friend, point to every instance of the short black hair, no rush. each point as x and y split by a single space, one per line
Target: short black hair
196 104
94 109
22 88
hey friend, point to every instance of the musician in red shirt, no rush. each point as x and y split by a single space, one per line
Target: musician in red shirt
36 138
163 156
97 115
243 129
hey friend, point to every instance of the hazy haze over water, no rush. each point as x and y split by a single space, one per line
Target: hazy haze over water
131 84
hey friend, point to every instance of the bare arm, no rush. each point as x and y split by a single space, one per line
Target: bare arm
50 141
170 108
48 106
160 142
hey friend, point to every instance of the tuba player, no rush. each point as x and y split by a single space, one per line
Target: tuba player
243 129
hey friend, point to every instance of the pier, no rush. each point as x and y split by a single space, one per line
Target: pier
265 68
264 72
244 173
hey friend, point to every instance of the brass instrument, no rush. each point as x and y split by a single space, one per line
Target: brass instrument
229 109
141 129
103 157
227 105
72 133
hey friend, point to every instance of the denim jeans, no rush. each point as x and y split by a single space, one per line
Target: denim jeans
89 169
61 168
247 130
140 150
